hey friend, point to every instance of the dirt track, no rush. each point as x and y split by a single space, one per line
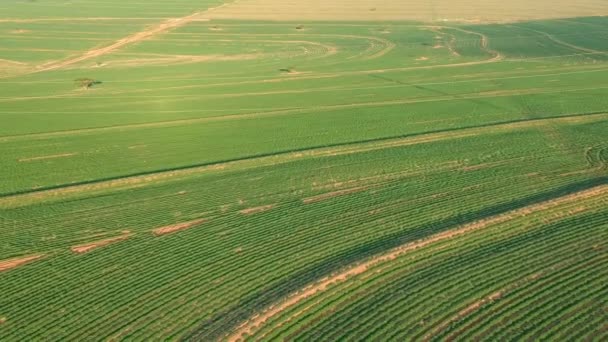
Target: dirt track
137 37
163 27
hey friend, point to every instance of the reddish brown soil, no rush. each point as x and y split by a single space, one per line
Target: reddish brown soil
85 248
6 265
177 227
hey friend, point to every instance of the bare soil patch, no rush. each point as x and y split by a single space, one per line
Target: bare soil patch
85 248
177 227
6 265
256 210
137 37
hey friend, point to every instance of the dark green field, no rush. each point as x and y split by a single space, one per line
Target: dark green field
300 180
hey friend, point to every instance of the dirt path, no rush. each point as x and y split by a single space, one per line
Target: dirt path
85 248
161 28
258 320
137 37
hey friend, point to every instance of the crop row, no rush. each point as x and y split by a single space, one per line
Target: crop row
452 275
330 231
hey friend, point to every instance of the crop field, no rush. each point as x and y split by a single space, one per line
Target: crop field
426 10
264 170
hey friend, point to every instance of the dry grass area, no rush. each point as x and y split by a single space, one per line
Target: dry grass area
425 10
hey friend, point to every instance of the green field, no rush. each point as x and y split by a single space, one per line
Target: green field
230 177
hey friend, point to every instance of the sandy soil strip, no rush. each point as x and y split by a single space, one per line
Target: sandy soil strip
177 227
258 320
54 156
332 194
255 210
101 243
6 265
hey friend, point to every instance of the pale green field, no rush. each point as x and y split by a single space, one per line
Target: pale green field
300 180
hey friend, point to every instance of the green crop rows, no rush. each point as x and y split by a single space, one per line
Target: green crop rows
310 181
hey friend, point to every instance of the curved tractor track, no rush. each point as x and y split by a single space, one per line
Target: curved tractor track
257 321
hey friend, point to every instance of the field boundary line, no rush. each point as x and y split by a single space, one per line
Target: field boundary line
136 180
258 320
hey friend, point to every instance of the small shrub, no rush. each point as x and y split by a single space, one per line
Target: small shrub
86 83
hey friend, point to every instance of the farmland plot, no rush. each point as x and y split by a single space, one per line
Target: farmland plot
228 178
